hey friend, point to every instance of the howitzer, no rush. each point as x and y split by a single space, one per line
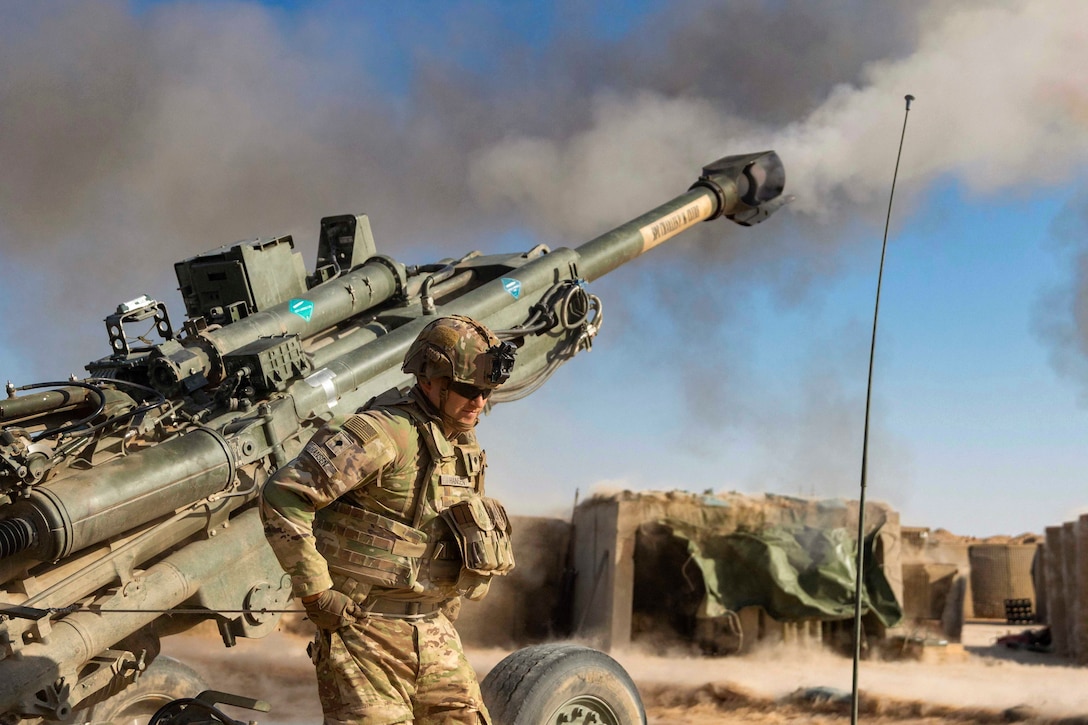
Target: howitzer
127 498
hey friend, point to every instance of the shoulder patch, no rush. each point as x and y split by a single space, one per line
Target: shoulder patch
361 429
337 444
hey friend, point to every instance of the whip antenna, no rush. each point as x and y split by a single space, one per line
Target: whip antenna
858 581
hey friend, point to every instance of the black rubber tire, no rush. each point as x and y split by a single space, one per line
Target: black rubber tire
552 683
164 680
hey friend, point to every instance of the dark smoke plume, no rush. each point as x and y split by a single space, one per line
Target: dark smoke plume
135 135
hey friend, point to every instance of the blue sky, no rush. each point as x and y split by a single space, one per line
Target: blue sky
137 134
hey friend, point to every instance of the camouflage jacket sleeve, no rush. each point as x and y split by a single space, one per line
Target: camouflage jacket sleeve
336 460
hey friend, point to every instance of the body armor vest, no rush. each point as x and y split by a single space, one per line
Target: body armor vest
439 539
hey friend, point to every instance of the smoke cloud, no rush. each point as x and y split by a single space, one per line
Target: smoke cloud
134 136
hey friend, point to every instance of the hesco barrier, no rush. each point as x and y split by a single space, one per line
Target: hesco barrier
1000 572
926 588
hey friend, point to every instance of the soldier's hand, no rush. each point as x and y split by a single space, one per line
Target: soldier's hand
330 609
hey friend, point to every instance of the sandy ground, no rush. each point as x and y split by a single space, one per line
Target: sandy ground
980 682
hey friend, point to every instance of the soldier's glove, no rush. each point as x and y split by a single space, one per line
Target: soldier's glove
331 610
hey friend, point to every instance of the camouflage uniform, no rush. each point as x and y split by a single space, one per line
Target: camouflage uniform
374 671
388 508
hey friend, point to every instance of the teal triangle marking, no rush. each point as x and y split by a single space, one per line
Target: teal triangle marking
302 308
512 286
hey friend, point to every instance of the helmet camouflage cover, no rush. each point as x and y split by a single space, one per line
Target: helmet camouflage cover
460 348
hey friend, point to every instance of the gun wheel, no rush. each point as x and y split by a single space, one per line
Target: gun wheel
163 681
564 684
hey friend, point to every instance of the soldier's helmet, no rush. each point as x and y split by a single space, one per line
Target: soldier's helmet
462 349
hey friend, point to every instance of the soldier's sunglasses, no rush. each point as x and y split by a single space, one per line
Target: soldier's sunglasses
469 392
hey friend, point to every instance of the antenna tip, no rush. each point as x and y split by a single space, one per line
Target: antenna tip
908 98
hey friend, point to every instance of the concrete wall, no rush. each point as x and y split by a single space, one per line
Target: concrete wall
1064 579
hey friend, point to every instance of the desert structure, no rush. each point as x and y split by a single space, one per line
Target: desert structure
698 571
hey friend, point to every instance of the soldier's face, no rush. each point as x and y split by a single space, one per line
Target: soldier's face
463 410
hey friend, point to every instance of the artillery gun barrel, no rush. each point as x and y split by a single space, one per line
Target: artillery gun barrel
745 188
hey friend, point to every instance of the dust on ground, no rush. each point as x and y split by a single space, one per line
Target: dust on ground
983 683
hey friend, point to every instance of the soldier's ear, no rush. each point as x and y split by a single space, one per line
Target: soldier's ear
431 386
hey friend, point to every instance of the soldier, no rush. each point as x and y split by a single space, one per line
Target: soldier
382 524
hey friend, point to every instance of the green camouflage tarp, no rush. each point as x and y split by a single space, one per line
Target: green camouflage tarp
794 573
